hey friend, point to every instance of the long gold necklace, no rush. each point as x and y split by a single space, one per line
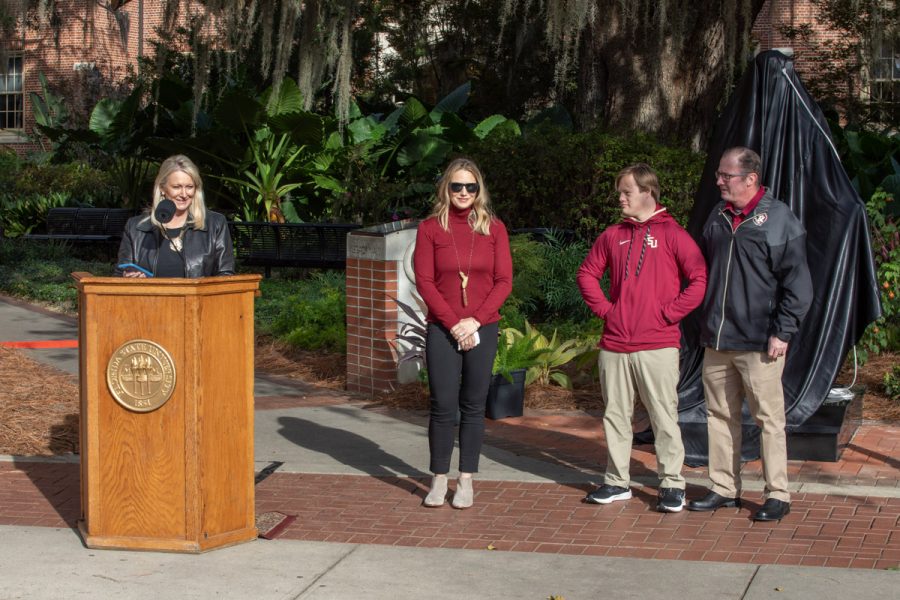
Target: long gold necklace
463 276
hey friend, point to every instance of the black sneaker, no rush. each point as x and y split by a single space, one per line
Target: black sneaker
670 500
607 494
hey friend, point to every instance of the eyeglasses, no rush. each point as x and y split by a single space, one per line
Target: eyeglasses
726 177
456 188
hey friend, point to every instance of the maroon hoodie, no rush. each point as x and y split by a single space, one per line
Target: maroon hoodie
646 263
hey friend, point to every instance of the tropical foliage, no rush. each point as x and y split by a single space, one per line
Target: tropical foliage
872 161
884 334
547 355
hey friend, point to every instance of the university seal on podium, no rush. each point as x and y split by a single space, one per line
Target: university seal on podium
141 375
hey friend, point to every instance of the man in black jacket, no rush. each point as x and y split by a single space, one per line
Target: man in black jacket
758 292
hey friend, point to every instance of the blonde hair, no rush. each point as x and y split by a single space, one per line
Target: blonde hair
644 177
197 210
481 216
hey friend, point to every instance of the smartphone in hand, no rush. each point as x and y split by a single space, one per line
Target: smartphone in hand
131 267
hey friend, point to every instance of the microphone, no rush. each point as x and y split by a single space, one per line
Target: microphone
165 210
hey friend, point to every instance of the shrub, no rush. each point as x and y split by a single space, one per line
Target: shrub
21 215
83 183
529 266
562 297
41 272
884 334
553 177
544 286
892 383
311 314
10 165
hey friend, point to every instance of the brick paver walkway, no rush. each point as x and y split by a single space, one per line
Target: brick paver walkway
823 530
861 531
546 517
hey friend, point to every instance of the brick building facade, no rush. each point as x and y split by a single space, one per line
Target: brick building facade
84 48
778 15
882 81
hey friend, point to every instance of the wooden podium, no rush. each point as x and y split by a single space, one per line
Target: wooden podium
171 474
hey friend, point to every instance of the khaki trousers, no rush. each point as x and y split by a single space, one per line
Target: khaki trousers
727 378
653 375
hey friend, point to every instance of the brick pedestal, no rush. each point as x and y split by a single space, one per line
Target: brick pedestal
376 276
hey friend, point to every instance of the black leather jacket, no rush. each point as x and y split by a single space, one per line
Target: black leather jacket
207 251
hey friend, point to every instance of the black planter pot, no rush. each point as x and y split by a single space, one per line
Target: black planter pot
506 399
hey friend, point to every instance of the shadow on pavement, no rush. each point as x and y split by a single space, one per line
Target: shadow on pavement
58 483
893 462
348 448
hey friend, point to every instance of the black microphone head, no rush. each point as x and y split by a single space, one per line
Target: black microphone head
165 210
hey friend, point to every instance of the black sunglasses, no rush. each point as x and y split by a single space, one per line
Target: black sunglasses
456 188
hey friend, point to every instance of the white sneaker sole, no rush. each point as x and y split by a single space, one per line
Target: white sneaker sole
671 509
611 499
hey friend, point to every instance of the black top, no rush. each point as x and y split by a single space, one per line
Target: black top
170 263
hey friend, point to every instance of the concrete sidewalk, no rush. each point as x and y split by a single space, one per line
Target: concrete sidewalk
40 563
353 443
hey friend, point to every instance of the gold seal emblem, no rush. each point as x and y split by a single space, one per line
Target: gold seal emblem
141 375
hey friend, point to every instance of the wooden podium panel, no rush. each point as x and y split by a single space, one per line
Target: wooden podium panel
178 477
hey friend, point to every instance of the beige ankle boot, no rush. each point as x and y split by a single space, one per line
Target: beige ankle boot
465 495
438 492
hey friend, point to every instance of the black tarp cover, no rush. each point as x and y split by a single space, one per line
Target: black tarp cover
772 113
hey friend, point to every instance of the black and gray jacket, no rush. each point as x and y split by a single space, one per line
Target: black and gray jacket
759 283
207 251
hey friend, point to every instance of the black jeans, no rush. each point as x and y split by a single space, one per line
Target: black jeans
458 381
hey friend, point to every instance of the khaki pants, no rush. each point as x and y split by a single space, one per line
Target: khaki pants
727 377
653 375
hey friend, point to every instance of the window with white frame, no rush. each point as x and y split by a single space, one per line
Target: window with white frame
12 97
886 77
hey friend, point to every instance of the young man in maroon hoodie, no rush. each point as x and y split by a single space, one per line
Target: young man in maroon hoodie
647 256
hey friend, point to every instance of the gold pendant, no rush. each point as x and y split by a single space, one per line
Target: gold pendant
464 285
175 244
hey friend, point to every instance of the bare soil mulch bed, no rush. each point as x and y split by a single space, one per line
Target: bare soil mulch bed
38 407
877 406
39 404
323 369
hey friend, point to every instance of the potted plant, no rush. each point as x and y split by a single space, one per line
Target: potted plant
516 353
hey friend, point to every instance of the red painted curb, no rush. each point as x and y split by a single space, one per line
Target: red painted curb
42 344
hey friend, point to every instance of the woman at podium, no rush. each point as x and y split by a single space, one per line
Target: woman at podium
179 237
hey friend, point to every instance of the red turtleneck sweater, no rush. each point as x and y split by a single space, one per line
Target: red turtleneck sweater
437 269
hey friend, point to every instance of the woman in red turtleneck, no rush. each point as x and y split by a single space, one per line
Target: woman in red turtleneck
464 274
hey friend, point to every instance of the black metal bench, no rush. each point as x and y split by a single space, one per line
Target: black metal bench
309 245
84 224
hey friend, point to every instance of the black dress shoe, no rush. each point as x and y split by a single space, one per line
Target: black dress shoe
712 501
772 510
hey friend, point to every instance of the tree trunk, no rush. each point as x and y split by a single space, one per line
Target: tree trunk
667 71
